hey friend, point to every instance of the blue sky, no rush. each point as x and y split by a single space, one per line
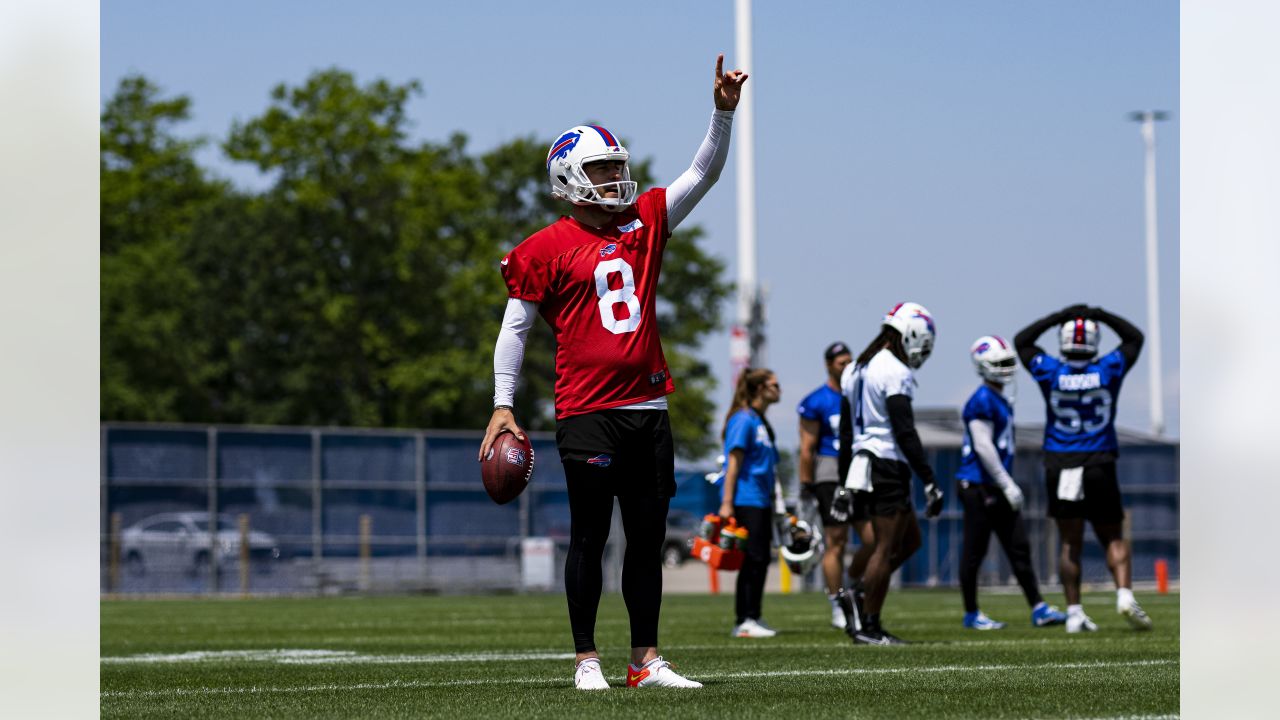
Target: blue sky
973 157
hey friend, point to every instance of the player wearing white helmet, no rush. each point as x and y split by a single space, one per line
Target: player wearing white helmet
886 448
1080 447
992 501
593 276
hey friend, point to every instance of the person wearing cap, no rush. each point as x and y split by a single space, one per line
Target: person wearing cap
819 476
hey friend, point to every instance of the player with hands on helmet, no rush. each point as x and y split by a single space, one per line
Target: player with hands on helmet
1080 391
885 449
748 491
593 276
991 499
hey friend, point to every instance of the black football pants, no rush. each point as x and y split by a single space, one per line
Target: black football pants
749 592
985 511
627 455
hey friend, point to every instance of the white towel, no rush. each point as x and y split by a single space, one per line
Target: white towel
1071 484
859 477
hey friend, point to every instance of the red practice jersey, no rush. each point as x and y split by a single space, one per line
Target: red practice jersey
597 288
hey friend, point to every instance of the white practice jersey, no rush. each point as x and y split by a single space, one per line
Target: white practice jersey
867 388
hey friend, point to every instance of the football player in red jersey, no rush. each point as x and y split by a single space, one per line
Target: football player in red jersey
593 277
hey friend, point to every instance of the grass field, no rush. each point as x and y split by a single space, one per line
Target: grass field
510 656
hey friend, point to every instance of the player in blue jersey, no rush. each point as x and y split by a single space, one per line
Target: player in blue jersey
747 491
819 477
1080 448
992 501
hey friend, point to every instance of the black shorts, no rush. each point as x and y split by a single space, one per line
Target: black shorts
825 492
634 446
890 488
1101 502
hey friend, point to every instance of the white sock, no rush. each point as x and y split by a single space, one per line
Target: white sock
1124 597
1075 609
832 598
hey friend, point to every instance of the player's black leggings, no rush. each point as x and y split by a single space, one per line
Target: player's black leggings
644 522
755 565
986 510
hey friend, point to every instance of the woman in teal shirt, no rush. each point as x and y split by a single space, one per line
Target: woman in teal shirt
747 490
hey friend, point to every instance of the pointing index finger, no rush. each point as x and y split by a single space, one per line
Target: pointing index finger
720 65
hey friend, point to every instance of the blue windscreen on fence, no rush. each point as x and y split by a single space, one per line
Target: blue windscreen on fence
418 494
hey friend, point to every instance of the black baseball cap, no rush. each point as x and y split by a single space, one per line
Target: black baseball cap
835 350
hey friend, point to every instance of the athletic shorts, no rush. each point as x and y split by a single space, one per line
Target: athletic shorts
825 492
632 448
890 488
1101 502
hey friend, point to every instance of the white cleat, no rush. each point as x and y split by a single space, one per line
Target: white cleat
587 676
837 617
1132 612
657 673
1080 623
752 629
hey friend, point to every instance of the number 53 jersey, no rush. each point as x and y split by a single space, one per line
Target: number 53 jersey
1080 402
597 289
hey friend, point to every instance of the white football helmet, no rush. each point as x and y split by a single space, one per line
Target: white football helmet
801 548
916 326
1079 338
578 146
994 359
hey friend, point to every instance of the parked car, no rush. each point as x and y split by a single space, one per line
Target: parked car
682 527
181 541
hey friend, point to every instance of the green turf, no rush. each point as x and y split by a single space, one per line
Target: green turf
429 657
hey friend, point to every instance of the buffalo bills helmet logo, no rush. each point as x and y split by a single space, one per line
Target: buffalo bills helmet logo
515 456
601 460
562 146
982 348
609 249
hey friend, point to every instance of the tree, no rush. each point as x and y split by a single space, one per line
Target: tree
152 191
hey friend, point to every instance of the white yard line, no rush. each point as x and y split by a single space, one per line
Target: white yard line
319 656
564 680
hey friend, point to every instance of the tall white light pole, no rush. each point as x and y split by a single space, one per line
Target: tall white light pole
1148 119
747 341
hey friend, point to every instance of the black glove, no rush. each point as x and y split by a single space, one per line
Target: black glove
933 500
807 491
842 505
1077 310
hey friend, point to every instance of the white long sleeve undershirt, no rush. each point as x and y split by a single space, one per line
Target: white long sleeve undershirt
982 435
685 192
682 195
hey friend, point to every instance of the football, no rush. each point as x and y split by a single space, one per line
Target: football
507 468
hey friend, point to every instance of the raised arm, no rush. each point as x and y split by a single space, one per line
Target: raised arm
1131 338
685 192
1025 340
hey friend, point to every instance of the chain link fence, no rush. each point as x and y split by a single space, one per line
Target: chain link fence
288 510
